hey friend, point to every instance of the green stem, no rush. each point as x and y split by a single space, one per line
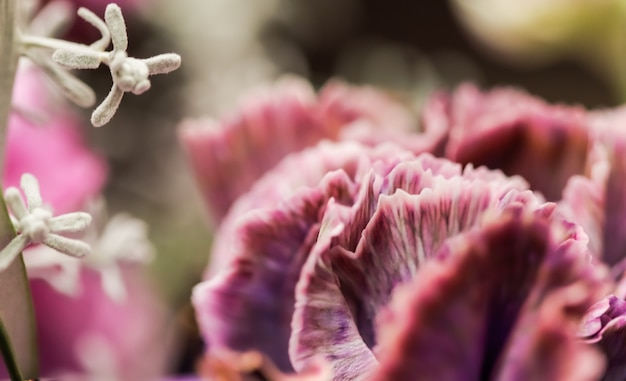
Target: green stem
16 303
7 354
8 65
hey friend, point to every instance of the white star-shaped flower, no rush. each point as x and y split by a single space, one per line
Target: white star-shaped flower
129 74
36 224
122 240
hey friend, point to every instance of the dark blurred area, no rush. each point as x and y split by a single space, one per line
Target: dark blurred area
327 30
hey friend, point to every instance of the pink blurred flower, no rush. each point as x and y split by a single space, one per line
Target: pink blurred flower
97 338
54 152
82 329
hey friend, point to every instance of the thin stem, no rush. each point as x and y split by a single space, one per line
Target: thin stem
8 65
16 304
7 354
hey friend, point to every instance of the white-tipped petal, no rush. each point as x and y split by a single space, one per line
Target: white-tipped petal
75 59
69 246
115 21
105 111
14 201
163 63
30 186
70 222
12 250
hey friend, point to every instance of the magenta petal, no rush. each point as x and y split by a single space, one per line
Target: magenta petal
323 324
484 312
605 326
55 152
301 170
614 236
125 331
519 134
248 306
402 235
343 285
598 201
583 203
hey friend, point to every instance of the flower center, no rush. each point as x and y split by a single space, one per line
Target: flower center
35 225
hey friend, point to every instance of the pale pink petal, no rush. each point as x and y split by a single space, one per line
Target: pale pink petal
133 330
230 155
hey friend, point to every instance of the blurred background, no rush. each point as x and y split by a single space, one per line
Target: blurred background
564 51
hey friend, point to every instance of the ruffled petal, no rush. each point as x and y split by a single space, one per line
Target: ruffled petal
604 325
596 200
322 324
250 303
380 244
230 155
484 311
519 134
302 170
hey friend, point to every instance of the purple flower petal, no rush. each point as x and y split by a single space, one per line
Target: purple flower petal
230 155
343 286
614 237
597 201
502 305
298 171
250 303
604 325
517 133
320 305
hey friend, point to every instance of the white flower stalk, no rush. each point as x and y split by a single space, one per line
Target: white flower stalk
35 224
129 74
122 240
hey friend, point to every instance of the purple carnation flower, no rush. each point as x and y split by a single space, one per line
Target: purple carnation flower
344 260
